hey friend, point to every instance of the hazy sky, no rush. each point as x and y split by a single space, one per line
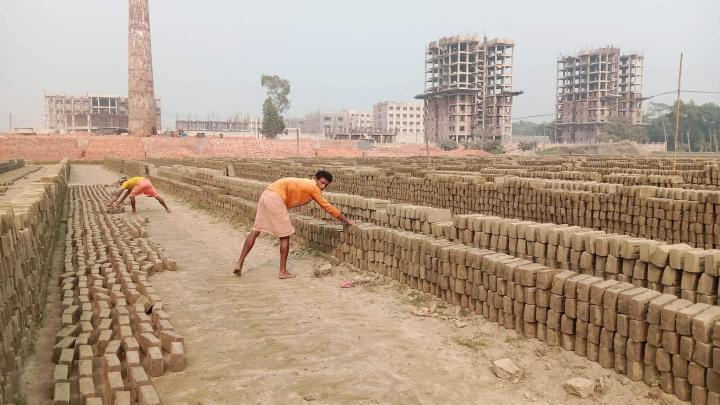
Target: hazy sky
208 55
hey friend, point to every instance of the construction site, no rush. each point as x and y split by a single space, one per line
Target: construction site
368 265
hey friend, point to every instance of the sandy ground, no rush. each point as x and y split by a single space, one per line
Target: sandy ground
260 340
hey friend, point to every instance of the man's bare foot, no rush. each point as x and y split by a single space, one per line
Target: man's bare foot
168 211
238 270
285 274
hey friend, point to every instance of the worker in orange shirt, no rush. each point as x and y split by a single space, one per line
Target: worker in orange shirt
133 187
272 214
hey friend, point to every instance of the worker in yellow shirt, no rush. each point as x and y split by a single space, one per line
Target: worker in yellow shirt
272 214
133 187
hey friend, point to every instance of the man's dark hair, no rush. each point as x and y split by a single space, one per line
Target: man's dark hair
324 174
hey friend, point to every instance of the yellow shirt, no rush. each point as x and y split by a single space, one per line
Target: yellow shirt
130 183
296 192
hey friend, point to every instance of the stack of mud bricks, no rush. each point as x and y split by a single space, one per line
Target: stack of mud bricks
356 208
116 334
426 220
7 165
649 336
678 269
27 225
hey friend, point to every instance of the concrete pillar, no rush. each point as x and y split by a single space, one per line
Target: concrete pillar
141 96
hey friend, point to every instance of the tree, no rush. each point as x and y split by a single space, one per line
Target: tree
618 129
272 123
699 126
278 89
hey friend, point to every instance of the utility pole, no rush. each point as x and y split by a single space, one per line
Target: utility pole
10 124
297 138
677 116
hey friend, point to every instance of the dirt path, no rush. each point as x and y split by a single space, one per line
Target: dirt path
259 340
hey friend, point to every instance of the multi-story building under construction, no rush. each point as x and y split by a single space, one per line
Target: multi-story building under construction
89 113
593 88
468 88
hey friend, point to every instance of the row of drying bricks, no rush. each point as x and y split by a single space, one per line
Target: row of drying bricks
115 334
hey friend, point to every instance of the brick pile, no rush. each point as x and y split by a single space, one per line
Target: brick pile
9 177
644 308
27 224
116 334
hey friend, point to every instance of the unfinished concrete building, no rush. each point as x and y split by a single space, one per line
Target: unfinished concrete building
141 93
90 113
595 87
468 88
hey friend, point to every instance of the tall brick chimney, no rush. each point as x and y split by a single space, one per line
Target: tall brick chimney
141 96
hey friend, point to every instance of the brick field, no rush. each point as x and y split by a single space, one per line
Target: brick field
511 275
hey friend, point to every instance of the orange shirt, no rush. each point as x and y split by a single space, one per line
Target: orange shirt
296 192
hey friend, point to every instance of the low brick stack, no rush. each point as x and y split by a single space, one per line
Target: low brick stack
27 224
116 335
9 177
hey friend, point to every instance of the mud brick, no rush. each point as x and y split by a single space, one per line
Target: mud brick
154 362
620 363
85 352
597 291
87 388
638 330
132 359
110 363
671 276
655 307
661 254
668 313
123 398
606 357
635 370
623 300
130 344
663 360
713 381
148 340
707 284
93 401
703 354
61 393
687 347
544 278
559 279
85 368
65 343
623 325
136 379
567 342
699 395
582 309
639 304
650 355
148 396
683 321
681 388
671 342
557 303
113 347
67 331
61 373
635 351
651 375
713 398
611 294
67 356
610 319
679 366
654 335
177 356
103 340
696 374
596 315
702 324
570 308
